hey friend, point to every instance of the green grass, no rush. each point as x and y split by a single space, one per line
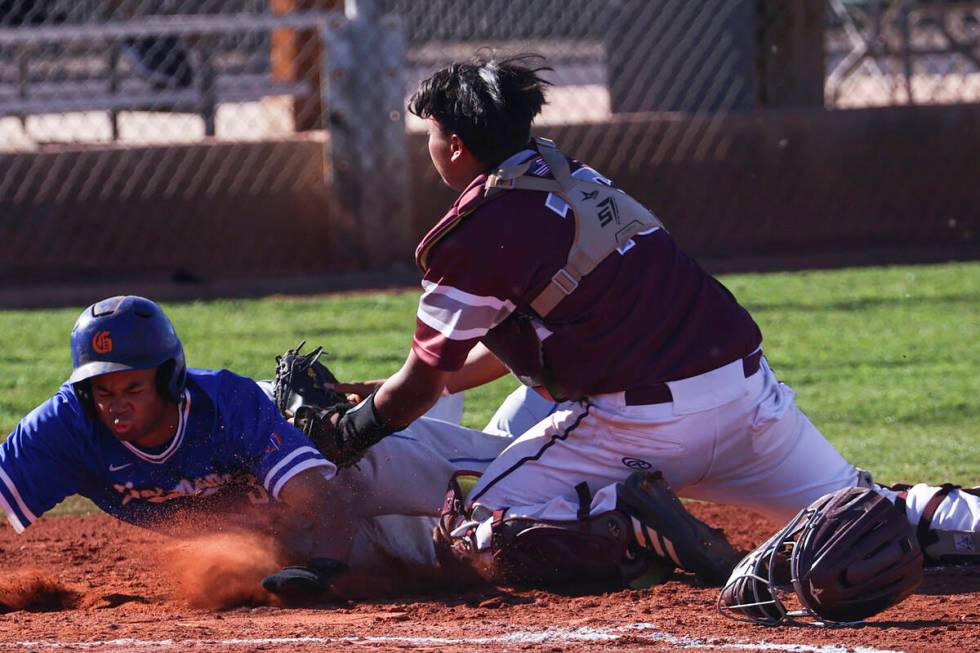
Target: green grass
886 361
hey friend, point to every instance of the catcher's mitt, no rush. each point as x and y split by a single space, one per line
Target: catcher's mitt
343 432
300 391
301 380
321 426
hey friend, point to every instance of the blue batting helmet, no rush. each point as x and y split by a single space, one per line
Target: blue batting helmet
127 333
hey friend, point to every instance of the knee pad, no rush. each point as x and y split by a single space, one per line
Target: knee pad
531 552
541 553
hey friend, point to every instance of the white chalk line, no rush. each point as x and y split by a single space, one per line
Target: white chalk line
646 631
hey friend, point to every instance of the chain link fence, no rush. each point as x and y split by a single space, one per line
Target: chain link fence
899 52
167 121
137 72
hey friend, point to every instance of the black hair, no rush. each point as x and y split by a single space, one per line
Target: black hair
489 103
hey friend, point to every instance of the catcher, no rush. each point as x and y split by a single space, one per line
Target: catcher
543 268
154 443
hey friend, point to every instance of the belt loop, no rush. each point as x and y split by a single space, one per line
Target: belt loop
752 363
584 501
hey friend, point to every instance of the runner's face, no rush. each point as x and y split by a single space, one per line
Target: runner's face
129 404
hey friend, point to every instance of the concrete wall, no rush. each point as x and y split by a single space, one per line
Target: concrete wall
201 212
793 184
789 188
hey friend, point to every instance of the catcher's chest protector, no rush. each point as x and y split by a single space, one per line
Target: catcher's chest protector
605 218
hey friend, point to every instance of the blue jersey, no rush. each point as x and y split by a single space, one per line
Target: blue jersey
231 445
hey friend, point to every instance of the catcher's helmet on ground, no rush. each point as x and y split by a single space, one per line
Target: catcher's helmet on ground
847 556
127 333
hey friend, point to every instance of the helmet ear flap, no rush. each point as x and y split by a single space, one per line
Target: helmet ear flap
171 378
83 390
164 372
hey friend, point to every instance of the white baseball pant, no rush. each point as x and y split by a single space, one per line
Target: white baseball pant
757 449
401 483
723 438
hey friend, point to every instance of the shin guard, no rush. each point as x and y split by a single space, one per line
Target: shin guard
514 550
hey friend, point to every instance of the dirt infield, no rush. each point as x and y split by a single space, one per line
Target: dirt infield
94 584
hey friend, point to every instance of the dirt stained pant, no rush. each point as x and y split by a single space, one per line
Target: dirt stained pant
400 484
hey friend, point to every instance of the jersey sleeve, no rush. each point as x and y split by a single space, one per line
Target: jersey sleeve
274 449
37 469
451 321
477 277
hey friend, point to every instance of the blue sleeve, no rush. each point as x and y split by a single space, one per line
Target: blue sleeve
275 450
37 466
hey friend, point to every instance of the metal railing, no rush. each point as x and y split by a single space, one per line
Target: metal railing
113 91
889 52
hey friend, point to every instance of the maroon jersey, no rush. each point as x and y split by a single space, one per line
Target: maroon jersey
647 314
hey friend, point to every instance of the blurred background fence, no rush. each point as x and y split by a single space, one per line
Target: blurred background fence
225 146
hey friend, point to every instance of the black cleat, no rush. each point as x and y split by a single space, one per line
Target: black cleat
661 524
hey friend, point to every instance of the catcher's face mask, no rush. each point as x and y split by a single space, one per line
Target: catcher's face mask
753 591
847 556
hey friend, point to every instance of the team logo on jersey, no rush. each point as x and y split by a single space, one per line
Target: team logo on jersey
636 463
608 211
101 342
964 543
275 441
205 486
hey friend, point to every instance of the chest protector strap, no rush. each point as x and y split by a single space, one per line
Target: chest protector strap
605 219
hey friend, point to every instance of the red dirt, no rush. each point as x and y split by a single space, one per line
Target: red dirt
36 590
219 571
97 583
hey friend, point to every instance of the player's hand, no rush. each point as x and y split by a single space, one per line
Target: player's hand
357 390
